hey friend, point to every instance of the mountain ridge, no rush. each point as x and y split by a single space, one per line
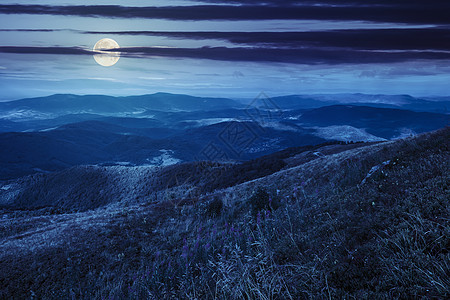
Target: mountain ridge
131 105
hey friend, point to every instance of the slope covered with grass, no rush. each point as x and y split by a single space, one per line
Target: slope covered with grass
369 222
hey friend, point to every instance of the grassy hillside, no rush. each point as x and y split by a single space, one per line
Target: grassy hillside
367 221
83 188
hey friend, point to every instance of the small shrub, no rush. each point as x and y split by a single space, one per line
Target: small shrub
215 207
262 200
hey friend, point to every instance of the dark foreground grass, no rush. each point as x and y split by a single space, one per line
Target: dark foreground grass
329 236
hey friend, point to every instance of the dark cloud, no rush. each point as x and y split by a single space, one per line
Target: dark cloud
369 39
299 56
332 2
395 13
27 30
43 50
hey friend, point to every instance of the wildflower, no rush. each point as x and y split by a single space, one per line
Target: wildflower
196 245
185 250
250 239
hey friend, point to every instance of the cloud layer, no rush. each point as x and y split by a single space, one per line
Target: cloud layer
367 39
282 46
306 47
298 56
413 14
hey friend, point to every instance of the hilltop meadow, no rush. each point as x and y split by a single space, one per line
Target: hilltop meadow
355 221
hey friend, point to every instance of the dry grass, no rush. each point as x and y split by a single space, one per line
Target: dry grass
329 236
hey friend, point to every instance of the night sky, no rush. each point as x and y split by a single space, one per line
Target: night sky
226 48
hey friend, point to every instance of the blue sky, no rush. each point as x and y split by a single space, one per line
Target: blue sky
232 49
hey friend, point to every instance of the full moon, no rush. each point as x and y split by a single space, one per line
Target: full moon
106 58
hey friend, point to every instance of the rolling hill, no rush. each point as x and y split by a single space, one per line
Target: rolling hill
96 142
382 122
365 220
61 131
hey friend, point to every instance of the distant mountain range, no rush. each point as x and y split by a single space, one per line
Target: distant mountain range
53 133
426 104
136 106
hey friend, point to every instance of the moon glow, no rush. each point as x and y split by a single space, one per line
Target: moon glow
106 58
